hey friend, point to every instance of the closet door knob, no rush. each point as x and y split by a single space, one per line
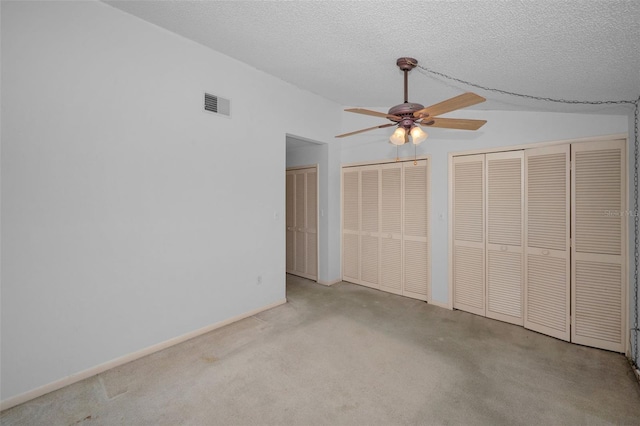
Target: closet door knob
545 252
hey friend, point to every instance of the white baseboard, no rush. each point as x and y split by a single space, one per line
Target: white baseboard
66 381
329 283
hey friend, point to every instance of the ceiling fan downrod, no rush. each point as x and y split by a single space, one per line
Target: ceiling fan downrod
406 65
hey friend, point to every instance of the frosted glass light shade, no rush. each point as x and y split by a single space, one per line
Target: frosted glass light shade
397 138
417 135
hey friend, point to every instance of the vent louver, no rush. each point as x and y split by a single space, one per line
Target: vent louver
216 104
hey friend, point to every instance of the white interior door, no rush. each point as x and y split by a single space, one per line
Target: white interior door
598 249
415 236
505 236
391 228
351 225
468 234
547 213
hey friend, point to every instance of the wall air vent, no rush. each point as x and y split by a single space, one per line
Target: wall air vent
217 105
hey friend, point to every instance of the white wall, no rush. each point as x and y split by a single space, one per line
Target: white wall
502 129
129 215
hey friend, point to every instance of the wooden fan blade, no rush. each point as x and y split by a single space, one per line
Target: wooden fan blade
366 130
461 101
453 123
374 113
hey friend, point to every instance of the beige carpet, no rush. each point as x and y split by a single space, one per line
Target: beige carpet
348 355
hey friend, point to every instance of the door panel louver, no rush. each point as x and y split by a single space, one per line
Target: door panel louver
415 200
468 207
598 254
391 265
597 298
351 193
300 262
312 254
415 268
547 200
369 180
468 234
504 204
547 241
312 201
350 256
469 296
597 199
369 256
547 295
391 200
504 285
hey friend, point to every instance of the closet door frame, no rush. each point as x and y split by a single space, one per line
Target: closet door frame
296 170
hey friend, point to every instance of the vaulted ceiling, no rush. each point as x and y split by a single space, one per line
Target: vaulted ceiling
346 51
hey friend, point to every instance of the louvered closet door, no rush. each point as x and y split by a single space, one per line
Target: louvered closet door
311 223
547 241
416 230
391 228
598 252
351 225
369 226
300 234
468 234
290 221
505 239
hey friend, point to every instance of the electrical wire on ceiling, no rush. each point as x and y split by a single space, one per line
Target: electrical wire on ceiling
635 358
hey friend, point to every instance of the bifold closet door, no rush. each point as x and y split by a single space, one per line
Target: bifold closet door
300 234
391 228
369 225
468 234
416 230
598 251
547 213
505 239
311 223
302 222
290 221
351 225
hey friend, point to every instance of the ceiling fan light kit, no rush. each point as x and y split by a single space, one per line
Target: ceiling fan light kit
408 117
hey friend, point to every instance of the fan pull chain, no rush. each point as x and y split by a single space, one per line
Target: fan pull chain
397 159
415 155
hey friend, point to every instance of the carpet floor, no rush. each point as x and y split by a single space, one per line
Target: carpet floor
349 355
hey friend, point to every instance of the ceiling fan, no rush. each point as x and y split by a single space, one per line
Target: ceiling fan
409 117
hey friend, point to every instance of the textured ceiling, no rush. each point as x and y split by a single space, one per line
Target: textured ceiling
346 51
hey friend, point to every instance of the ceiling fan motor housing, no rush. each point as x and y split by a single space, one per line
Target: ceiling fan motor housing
406 111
